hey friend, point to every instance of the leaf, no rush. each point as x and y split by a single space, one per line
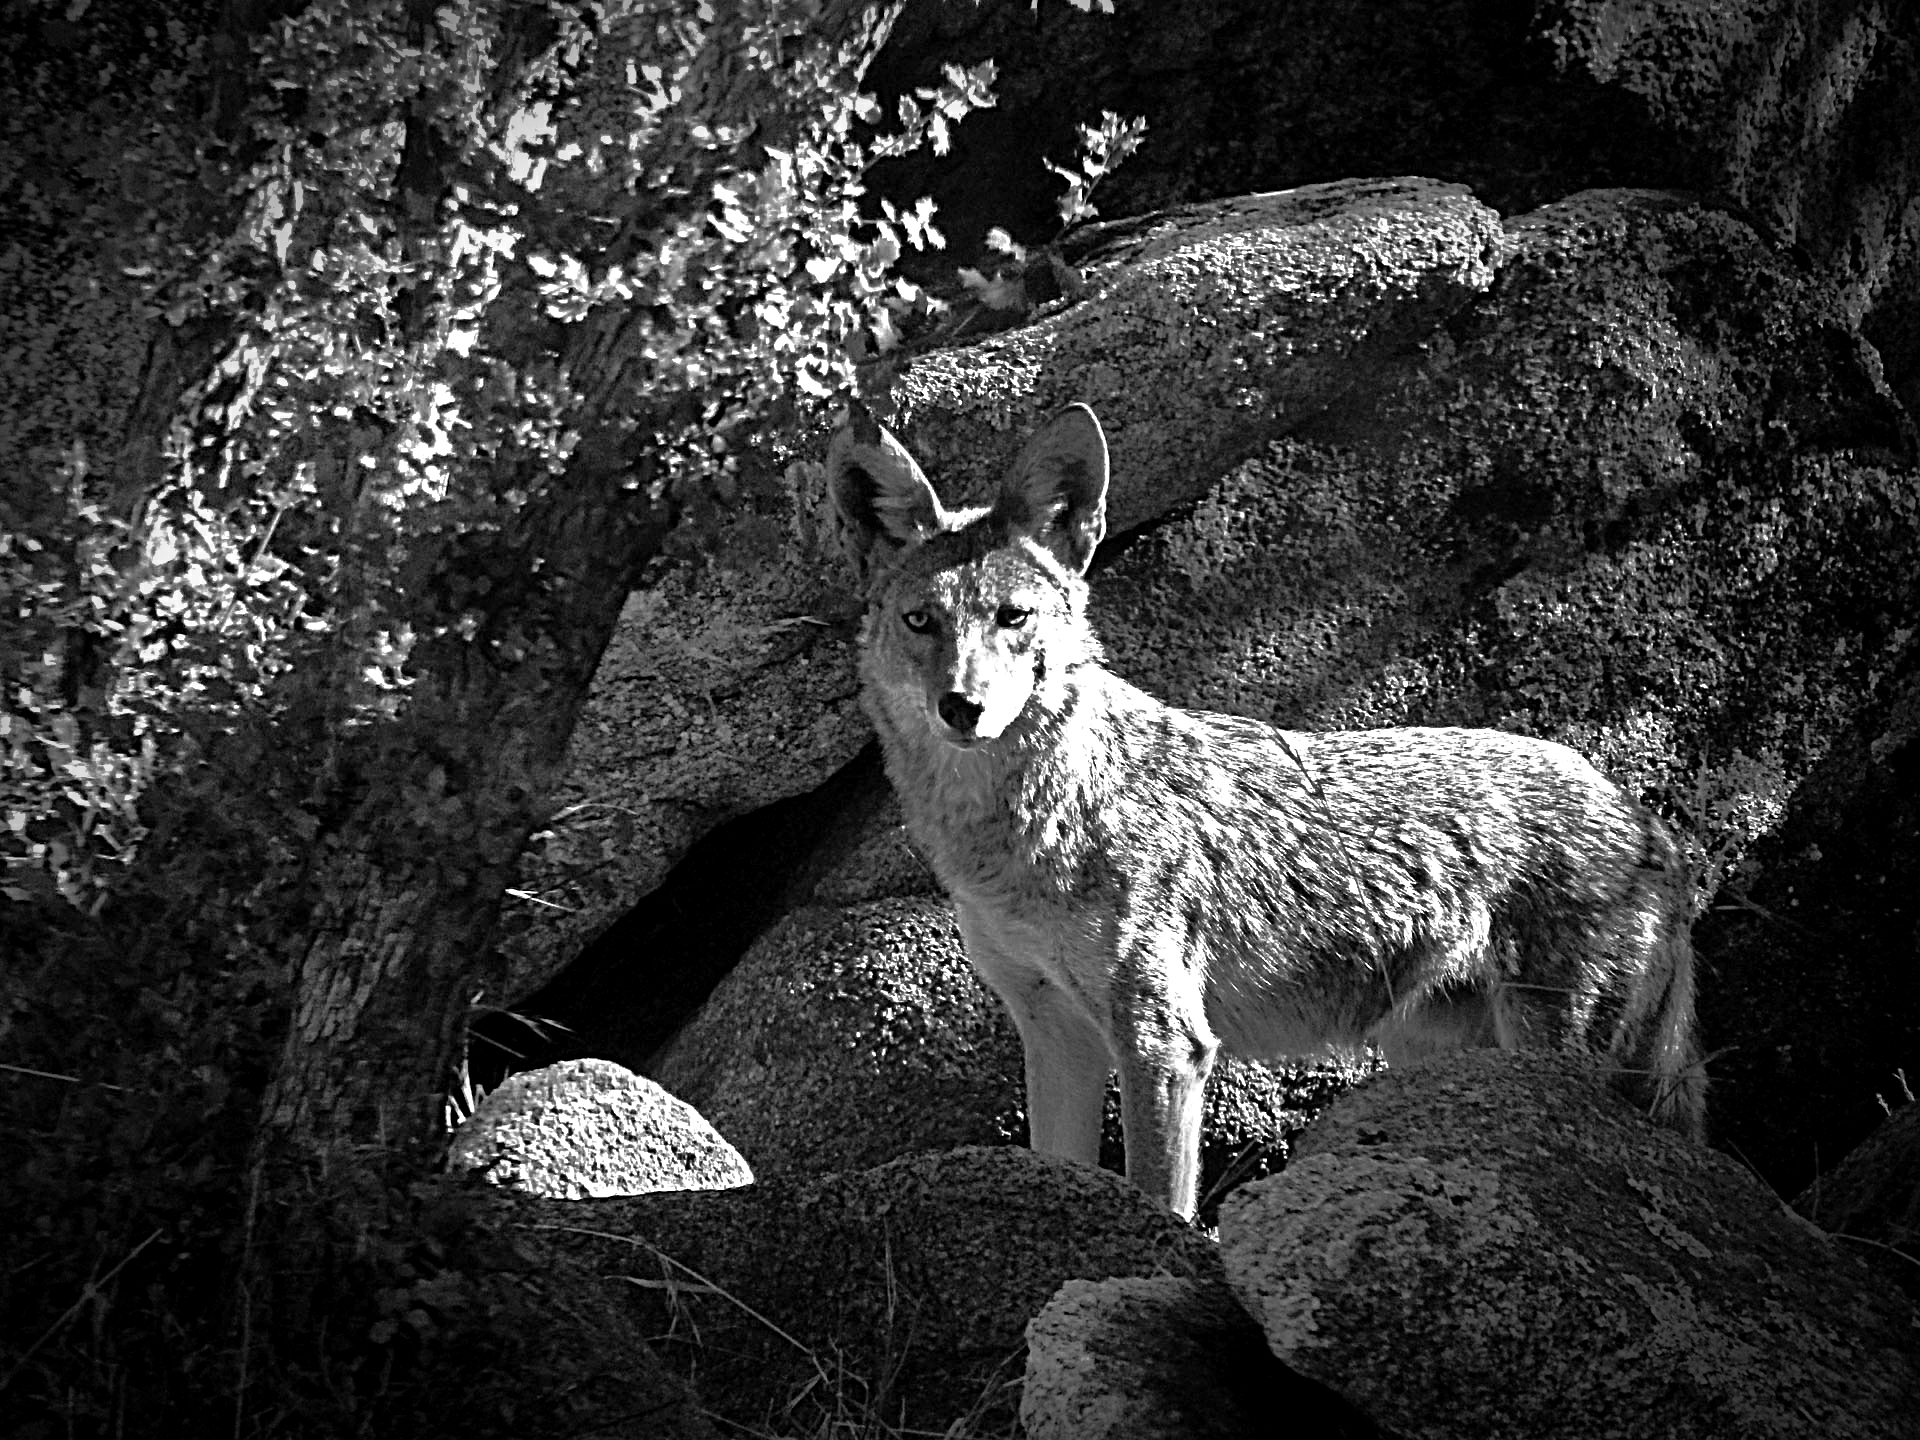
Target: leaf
998 239
998 293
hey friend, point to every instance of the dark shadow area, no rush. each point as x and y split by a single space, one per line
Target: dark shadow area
648 971
1256 95
1810 977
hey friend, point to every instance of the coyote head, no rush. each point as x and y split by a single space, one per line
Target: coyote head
972 614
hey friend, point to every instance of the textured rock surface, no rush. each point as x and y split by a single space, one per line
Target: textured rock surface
1803 112
910 1282
1874 1196
1620 501
847 1038
1493 1245
722 690
591 1128
1799 111
1161 1358
1205 332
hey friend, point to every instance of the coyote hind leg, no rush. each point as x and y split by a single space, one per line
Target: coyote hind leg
1161 1101
1165 1050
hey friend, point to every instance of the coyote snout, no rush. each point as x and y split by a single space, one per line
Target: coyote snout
1141 883
979 674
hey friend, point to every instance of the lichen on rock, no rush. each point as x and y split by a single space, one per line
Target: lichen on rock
1493 1244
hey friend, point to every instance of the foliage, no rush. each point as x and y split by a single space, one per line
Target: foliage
428 262
1102 148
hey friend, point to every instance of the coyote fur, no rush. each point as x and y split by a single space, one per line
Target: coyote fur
1142 884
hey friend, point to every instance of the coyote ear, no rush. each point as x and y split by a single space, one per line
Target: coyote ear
1056 492
881 498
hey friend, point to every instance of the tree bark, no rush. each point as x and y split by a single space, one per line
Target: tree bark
406 886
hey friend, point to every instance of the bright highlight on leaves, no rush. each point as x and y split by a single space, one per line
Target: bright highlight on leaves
1102 148
452 263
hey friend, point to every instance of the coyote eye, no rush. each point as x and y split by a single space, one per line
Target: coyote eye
918 621
1012 617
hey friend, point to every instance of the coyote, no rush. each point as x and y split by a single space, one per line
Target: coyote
1141 884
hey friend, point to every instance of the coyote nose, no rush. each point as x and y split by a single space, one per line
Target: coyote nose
959 712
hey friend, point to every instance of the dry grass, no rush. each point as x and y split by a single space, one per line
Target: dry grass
835 1400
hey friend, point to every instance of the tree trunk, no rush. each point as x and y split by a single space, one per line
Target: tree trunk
405 887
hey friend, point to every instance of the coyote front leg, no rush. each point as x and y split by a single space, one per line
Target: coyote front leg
1066 1056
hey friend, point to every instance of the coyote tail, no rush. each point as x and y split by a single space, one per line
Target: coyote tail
1676 1072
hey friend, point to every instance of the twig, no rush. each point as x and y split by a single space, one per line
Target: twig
87 1292
51 1075
681 1265
246 1301
529 896
1877 1244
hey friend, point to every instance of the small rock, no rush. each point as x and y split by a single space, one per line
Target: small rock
589 1128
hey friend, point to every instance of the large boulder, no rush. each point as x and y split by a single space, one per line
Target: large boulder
901 1292
725 688
1801 112
1643 496
1204 333
846 1038
1245 95
1496 1245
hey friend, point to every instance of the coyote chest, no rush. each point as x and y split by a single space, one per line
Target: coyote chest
1002 826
